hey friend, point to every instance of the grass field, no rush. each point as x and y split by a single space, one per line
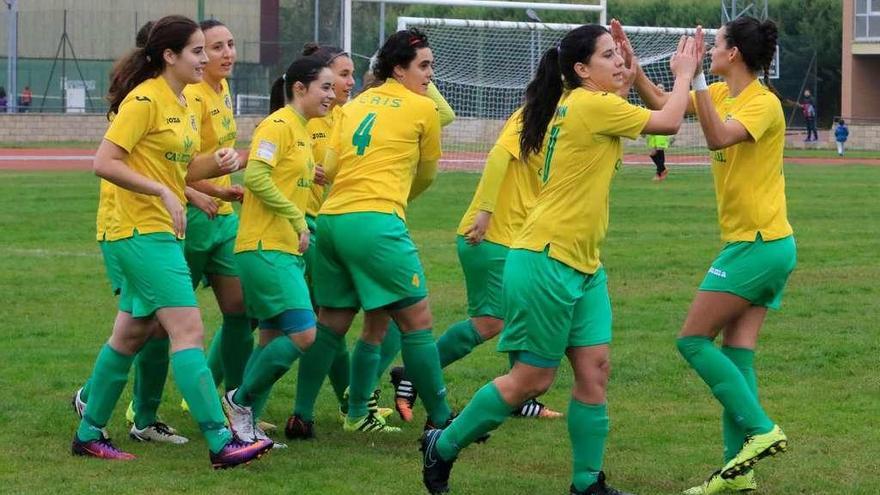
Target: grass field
817 363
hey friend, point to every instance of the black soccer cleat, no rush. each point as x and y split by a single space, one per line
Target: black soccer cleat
599 488
435 471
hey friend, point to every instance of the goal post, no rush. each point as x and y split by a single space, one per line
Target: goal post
482 68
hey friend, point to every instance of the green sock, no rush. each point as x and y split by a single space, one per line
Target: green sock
86 388
107 381
457 342
313 368
390 349
270 366
484 413
215 356
150 372
235 348
733 434
423 368
340 371
726 382
194 380
587 429
364 361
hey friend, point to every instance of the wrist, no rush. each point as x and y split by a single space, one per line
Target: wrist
698 83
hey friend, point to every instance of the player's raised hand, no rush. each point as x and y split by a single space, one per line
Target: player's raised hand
700 41
684 62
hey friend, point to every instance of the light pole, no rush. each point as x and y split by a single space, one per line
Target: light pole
533 16
12 56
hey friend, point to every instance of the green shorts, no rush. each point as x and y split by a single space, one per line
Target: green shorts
154 274
111 266
756 271
549 307
483 267
273 282
209 244
366 260
311 253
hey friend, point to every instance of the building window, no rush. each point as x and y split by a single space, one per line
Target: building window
867 20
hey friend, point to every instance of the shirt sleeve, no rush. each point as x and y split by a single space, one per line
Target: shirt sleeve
756 115
447 114
429 143
610 115
493 176
133 121
510 133
269 142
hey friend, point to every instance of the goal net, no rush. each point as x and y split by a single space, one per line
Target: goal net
483 67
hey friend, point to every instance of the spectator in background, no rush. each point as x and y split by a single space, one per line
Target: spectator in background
809 111
2 99
841 132
24 101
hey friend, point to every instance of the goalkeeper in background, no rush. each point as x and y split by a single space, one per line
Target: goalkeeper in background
657 145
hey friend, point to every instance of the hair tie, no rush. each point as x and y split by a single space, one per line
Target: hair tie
559 48
284 77
415 40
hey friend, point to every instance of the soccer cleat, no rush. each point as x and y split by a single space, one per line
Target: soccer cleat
598 488
157 432
660 177
237 452
429 425
534 409
717 485
372 405
241 418
404 394
369 424
299 429
266 426
435 471
101 448
260 435
79 407
755 448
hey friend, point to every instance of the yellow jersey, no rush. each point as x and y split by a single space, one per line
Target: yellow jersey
161 137
518 191
106 209
582 153
282 142
379 140
320 129
749 183
216 126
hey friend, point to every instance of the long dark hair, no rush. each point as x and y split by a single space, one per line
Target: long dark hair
756 41
325 52
555 69
168 33
304 70
399 49
140 39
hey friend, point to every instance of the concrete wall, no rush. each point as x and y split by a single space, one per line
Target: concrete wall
860 72
105 29
463 135
34 127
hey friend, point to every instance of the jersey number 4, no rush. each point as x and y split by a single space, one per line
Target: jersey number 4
361 139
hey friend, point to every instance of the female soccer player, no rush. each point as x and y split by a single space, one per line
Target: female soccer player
148 153
554 287
504 196
750 273
274 236
385 147
210 236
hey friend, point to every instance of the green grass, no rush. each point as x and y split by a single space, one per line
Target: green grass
817 363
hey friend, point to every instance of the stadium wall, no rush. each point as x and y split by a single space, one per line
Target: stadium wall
34 127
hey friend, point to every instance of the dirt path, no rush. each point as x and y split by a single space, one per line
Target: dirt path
25 159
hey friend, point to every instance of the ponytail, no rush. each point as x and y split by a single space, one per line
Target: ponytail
542 95
147 60
279 95
303 70
756 41
127 73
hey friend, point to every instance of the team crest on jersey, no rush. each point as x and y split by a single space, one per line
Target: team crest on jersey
416 282
187 144
226 122
227 100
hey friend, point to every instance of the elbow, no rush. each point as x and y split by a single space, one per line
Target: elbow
99 168
714 144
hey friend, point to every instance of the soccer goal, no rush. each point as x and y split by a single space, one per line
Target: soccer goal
483 67
246 104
